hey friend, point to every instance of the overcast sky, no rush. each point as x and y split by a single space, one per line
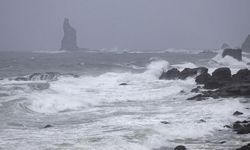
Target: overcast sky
124 24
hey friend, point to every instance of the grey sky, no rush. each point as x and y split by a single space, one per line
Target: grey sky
125 24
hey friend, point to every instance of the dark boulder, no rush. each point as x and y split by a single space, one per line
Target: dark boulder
203 78
47 126
123 84
246 45
180 147
242 75
242 127
188 72
235 53
246 147
222 74
220 77
237 113
170 74
165 122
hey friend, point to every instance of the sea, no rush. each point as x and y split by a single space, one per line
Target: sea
115 101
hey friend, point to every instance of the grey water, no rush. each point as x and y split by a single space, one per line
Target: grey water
93 111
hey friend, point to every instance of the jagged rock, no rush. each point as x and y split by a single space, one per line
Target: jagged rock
39 86
224 46
170 74
69 41
246 45
246 147
220 77
203 78
180 147
235 53
242 127
237 113
242 75
188 72
47 76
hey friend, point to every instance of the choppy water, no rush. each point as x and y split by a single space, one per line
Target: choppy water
94 111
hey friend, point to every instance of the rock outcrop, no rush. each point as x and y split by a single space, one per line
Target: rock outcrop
246 45
174 73
47 76
69 41
235 53
242 127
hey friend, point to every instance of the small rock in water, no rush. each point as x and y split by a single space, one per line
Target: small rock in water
222 142
165 122
180 147
237 113
227 126
123 84
47 126
202 121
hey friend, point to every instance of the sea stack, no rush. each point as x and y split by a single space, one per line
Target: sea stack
246 45
69 41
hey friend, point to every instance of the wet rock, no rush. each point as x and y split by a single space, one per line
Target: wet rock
123 84
201 121
196 90
222 142
222 74
235 53
170 74
242 127
246 147
203 78
188 72
246 45
47 126
237 113
220 77
69 41
48 76
165 122
242 75
180 147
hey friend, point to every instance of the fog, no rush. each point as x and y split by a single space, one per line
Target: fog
124 24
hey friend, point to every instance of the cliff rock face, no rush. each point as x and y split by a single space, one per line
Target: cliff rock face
69 41
246 45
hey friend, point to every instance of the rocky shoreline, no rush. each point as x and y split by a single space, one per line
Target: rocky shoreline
220 84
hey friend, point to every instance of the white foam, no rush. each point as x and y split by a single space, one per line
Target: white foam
227 61
76 93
